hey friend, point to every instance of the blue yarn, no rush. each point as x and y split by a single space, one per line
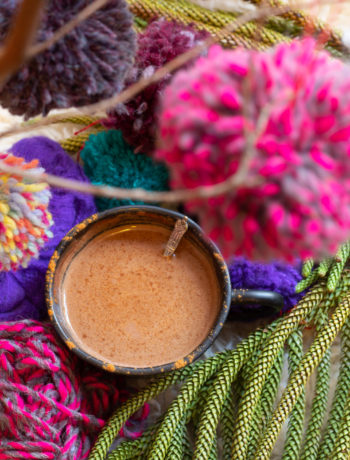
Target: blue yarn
109 160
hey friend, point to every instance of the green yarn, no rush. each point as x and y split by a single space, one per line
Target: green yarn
236 391
109 160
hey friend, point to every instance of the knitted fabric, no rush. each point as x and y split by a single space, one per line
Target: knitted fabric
276 276
109 160
161 42
52 405
22 293
298 118
88 64
24 216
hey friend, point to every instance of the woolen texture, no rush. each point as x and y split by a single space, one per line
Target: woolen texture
52 405
275 276
22 292
109 160
25 220
161 42
297 113
88 64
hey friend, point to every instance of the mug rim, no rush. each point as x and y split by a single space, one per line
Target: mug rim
83 227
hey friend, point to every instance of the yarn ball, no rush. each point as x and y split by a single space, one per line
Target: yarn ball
88 64
275 276
295 201
52 404
109 160
24 216
161 42
22 293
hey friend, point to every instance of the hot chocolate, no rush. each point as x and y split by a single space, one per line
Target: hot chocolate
129 305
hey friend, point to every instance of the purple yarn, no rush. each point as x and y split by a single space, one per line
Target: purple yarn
22 292
276 276
88 64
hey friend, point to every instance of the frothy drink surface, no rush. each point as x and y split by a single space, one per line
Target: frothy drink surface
128 304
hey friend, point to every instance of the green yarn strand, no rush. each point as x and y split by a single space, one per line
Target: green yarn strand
324 266
115 423
338 267
267 357
299 378
307 282
308 265
320 400
190 390
341 449
129 449
227 424
339 400
265 406
176 448
296 418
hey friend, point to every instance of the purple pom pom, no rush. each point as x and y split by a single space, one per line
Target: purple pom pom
161 42
88 64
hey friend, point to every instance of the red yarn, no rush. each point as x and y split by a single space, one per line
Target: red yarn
52 405
298 110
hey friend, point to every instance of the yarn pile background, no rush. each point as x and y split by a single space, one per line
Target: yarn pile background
52 405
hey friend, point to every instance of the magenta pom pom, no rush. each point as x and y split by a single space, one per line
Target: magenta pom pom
300 205
161 42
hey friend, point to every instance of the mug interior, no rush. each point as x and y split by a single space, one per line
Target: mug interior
98 224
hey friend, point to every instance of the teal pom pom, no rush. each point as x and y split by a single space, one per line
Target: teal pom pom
109 160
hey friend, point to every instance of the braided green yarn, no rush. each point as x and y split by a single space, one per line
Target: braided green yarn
264 409
339 400
324 267
298 380
319 403
332 266
296 418
341 449
129 449
115 423
307 267
190 390
176 448
338 266
227 424
268 355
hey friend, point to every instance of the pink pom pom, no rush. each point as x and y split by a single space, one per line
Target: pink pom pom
300 206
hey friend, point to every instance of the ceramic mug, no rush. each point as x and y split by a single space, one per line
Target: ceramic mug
97 224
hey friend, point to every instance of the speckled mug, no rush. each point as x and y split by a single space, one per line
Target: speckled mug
97 224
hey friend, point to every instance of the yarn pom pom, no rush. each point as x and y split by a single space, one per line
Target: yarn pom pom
275 276
108 160
298 114
23 292
24 216
161 42
88 64
52 404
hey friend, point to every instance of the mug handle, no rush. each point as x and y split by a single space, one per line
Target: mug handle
254 296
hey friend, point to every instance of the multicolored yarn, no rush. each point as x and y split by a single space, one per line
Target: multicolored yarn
52 405
24 216
23 292
275 276
109 160
88 64
298 120
161 42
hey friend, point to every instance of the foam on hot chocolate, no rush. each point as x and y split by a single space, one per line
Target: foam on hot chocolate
128 304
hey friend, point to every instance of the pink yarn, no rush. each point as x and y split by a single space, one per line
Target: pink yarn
300 205
52 405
